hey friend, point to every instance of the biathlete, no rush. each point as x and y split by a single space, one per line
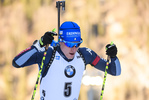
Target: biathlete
62 80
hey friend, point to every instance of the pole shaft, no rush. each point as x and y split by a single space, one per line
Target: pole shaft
103 85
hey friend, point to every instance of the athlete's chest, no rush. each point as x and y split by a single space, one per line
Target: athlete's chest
62 78
62 68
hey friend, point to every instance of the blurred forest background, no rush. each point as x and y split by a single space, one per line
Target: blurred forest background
125 22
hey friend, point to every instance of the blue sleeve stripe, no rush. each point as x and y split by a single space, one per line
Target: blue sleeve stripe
25 57
118 67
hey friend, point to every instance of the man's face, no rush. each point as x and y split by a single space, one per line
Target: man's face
68 52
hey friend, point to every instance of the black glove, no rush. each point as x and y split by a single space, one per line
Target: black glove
111 50
47 38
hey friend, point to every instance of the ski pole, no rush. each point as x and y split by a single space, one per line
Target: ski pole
41 67
105 75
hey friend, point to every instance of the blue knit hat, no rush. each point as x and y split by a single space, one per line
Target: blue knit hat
69 31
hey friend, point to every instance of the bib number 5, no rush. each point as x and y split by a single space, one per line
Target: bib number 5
67 89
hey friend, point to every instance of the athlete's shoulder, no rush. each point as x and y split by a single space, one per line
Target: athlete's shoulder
88 54
86 51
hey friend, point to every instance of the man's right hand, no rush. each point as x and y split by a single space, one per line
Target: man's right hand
47 38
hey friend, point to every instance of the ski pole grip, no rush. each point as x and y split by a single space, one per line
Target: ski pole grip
47 46
111 43
108 58
54 30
